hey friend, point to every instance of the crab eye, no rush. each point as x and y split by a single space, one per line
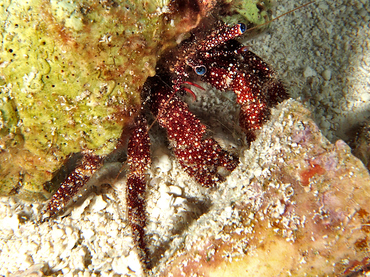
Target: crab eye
200 69
242 27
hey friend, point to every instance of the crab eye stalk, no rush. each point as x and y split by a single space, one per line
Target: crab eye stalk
200 70
242 27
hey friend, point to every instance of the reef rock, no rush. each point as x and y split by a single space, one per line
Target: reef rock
361 144
297 206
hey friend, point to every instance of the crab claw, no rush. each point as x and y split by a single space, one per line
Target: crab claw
254 83
201 157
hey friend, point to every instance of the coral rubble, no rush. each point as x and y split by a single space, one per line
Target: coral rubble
302 210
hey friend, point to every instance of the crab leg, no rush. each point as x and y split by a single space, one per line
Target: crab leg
222 35
76 180
138 158
200 157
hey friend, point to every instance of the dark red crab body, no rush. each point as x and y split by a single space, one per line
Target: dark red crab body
217 59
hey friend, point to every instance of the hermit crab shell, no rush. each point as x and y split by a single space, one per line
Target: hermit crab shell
71 76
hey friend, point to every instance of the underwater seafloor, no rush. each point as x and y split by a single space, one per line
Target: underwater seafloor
297 203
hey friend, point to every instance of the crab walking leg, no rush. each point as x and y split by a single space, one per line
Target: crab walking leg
138 158
76 180
222 35
200 157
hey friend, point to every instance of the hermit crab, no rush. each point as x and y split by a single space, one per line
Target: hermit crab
216 58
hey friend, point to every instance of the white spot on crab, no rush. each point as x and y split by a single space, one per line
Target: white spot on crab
228 81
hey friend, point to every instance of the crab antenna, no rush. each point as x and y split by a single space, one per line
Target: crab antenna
219 38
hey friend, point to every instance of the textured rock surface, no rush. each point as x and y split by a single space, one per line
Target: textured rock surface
361 144
302 208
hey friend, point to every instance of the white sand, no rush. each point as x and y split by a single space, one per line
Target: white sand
322 52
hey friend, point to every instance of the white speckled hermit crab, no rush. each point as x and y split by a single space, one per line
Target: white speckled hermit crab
220 61
214 57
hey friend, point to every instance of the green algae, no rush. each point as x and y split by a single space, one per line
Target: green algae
251 12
